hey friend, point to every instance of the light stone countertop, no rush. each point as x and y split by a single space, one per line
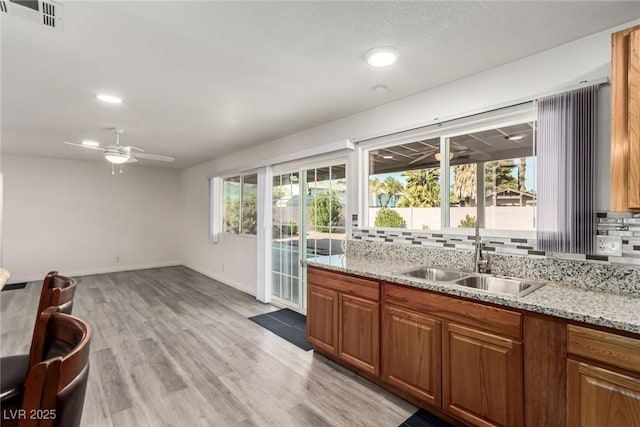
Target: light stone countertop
615 311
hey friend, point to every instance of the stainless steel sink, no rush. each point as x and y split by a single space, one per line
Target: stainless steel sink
435 274
499 285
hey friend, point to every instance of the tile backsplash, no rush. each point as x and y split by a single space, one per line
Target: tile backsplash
624 224
627 226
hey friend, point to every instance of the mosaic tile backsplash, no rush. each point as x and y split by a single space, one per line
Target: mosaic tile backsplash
624 224
627 226
516 257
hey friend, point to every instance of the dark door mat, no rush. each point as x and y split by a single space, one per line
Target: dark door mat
286 324
423 418
14 286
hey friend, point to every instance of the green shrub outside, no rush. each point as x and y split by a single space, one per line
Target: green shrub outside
325 211
388 218
467 222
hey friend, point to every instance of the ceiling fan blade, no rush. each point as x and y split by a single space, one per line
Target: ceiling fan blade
131 160
421 158
152 157
82 146
131 147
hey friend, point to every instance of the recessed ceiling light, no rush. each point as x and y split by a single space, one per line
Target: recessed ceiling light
387 157
91 143
109 98
381 56
514 137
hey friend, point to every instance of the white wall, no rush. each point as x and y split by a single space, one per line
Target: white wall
233 260
562 66
75 217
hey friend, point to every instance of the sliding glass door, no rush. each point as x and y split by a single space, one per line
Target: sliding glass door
285 239
309 208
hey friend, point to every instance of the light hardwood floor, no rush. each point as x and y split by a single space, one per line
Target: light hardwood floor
172 347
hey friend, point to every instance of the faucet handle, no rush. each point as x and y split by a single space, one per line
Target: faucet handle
483 266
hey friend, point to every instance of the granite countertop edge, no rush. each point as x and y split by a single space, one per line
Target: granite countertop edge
614 311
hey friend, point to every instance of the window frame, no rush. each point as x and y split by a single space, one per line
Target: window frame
517 114
221 201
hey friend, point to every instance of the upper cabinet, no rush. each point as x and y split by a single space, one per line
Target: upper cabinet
625 120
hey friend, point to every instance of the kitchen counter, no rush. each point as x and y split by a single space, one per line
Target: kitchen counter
615 311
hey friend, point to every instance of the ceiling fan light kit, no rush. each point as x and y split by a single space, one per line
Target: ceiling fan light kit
438 156
115 156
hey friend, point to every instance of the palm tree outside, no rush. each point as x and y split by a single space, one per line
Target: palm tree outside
423 189
464 183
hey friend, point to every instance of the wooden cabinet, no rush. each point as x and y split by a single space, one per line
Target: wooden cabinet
482 377
545 371
343 318
462 356
322 318
604 390
360 333
599 397
411 355
625 120
480 364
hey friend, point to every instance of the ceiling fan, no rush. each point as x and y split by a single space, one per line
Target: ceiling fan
118 154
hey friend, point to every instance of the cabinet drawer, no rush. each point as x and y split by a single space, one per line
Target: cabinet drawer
605 347
343 283
492 319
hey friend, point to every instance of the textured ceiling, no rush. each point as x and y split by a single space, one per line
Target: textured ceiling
202 79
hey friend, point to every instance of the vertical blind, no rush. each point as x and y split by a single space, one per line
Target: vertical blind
565 151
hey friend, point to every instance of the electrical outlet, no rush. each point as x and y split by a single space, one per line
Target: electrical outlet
609 245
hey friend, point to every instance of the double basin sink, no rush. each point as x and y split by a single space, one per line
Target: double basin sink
481 282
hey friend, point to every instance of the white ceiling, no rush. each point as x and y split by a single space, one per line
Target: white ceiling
202 79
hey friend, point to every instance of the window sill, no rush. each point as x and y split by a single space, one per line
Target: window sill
241 236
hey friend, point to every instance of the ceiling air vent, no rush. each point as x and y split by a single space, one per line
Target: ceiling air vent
43 12
49 14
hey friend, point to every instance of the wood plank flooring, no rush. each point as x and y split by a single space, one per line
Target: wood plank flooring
172 347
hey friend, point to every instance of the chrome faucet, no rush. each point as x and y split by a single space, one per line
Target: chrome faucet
478 259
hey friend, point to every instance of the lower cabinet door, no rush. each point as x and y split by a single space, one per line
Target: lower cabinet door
359 336
411 353
482 377
598 397
322 319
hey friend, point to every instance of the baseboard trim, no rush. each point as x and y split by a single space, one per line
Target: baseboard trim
91 271
225 281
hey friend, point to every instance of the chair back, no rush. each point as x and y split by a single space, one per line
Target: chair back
59 370
57 290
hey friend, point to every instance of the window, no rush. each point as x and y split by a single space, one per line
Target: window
240 204
404 185
413 185
499 164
